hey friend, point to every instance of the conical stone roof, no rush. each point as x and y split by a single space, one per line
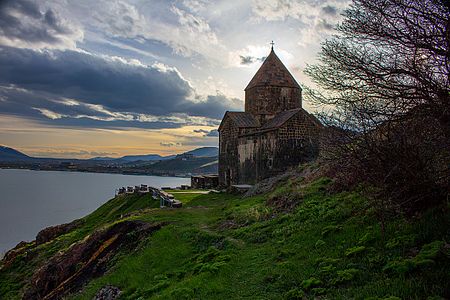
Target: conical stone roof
273 73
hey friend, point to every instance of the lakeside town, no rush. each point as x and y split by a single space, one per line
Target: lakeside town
195 162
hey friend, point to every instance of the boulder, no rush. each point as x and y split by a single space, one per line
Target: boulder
108 292
52 232
10 256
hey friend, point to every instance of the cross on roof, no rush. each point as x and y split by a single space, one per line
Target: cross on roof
272 43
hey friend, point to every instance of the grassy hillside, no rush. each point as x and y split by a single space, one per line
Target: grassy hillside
299 241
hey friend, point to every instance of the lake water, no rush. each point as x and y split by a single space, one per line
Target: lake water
33 200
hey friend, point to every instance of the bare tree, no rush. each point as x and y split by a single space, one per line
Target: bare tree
384 79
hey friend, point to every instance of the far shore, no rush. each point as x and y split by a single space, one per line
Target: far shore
98 172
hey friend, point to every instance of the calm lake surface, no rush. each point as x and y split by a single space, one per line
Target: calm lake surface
33 200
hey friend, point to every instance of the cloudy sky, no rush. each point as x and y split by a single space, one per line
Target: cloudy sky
83 78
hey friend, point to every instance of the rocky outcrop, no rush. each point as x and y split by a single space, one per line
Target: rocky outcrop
10 256
53 232
26 249
66 272
108 292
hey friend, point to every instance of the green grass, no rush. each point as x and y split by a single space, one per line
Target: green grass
221 246
186 197
187 191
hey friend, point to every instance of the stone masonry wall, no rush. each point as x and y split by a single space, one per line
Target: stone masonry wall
298 142
228 155
270 100
265 154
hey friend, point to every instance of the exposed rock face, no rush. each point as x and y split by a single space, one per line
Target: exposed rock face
52 232
66 272
108 292
11 255
45 235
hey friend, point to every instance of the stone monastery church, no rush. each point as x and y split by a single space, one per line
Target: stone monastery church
272 134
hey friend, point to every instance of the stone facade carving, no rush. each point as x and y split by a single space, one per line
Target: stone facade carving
272 134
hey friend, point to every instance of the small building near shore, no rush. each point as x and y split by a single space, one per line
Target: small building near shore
205 181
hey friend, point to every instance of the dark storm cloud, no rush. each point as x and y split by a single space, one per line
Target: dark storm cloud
330 10
104 89
170 144
22 22
213 107
207 133
92 79
201 131
40 107
324 25
248 60
113 124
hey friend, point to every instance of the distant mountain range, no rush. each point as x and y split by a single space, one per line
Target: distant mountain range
199 152
204 152
130 158
182 165
9 155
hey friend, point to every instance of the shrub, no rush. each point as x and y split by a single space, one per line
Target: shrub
424 258
344 276
319 243
354 250
404 240
294 294
330 228
366 238
311 282
182 293
319 291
